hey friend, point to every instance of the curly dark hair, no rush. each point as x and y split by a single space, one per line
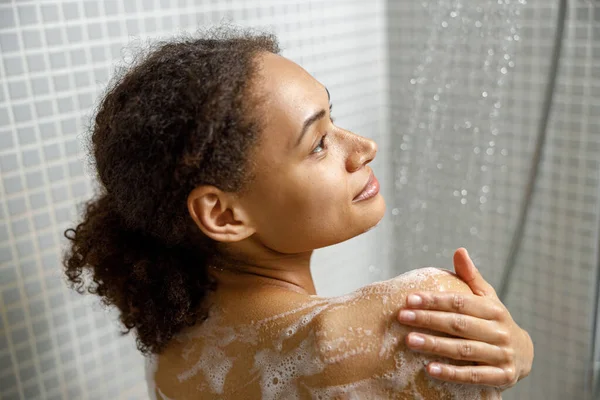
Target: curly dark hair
180 116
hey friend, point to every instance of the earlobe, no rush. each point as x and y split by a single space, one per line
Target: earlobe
218 215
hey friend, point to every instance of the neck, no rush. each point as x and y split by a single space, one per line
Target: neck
289 271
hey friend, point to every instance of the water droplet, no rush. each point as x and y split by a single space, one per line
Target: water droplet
490 151
436 97
483 199
504 152
464 192
478 24
517 37
413 81
491 52
456 193
507 57
453 14
395 211
463 201
511 64
439 166
476 150
503 70
492 143
444 24
484 94
485 189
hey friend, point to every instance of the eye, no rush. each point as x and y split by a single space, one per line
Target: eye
321 146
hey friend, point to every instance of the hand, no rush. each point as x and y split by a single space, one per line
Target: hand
486 332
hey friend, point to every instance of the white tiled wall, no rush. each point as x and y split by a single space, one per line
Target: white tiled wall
56 59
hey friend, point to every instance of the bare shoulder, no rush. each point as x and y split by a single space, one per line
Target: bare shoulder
372 305
277 345
362 344
428 279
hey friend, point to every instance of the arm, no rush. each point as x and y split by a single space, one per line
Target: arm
362 345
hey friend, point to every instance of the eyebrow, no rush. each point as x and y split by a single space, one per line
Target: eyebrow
312 119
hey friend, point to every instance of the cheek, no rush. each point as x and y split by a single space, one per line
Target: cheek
321 193
314 208
304 209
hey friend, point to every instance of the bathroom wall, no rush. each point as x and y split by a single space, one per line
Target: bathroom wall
467 81
56 58
453 163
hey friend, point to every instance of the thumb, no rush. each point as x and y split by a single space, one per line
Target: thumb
468 272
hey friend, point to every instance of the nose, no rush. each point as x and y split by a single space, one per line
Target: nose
361 152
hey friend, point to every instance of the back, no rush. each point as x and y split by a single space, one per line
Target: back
275 344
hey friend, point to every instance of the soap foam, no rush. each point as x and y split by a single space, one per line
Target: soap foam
279 367
214 364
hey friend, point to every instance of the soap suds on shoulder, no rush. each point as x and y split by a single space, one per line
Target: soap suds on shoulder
279 367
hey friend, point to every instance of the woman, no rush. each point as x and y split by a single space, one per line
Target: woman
221 171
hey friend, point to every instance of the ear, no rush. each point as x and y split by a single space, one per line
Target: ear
218 214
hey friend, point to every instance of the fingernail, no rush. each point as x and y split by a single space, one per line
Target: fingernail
414 300
407 315
435 370
416 340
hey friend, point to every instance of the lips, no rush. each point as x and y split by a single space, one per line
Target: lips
370 189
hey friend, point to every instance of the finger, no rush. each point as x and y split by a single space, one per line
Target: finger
476 375
460 325
468 272
457 349
462 303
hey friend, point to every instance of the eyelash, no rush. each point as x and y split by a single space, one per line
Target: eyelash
322 141
321 144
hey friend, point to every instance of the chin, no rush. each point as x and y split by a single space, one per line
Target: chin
377 214
370 218
367 219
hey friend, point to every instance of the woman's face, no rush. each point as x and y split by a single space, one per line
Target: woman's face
308 190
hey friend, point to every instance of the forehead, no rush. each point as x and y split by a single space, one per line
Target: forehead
289 91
